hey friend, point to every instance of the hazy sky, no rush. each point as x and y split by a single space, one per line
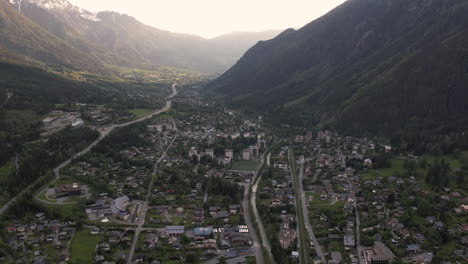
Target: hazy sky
209 18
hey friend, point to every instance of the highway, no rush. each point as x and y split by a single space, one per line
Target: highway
104 132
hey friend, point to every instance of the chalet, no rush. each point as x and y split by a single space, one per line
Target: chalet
221 215
213 209
233 209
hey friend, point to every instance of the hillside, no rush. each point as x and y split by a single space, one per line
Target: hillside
123 41
22 37
367 66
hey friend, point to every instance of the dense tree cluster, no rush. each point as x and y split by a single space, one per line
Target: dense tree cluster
38 158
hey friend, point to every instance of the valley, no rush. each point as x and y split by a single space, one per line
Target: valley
343 141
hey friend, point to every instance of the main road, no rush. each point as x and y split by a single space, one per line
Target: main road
104 132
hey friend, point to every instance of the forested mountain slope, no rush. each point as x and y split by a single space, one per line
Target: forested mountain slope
367 66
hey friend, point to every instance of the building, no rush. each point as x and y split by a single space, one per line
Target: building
336 258
78 122
255 151
203 231
349 241
175 231
381 254
308 137
246 154
262 144
379 259
119 207
233 209
73 189
209 153
193 152
229 153
281 165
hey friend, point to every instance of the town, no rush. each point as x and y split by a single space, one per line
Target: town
204 184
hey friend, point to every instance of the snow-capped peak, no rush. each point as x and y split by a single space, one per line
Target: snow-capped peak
52 4
57 5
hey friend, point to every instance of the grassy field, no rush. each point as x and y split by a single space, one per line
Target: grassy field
247 165
397 165
83 247
139 112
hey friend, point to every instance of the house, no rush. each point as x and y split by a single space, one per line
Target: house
439 225
413 248
281 165
229 153
209 153
382 253
174 231
221 215
379 259
349 241
368 162
237 239
213 209
203 231
246 153
336 258
233 209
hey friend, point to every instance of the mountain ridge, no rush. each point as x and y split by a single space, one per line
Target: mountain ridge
123 41
334 71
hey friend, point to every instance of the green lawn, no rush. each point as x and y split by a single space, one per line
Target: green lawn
247 165
83 247
397 165
139 112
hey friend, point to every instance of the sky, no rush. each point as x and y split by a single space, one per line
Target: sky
210 18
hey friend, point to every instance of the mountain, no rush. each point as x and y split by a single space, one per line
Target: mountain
20 37
366 66
121 40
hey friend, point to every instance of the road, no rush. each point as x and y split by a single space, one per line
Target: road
253 203
248 220
104 132
300 215
310 231
141 221
360 249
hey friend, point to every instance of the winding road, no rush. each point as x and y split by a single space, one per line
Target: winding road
104 132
